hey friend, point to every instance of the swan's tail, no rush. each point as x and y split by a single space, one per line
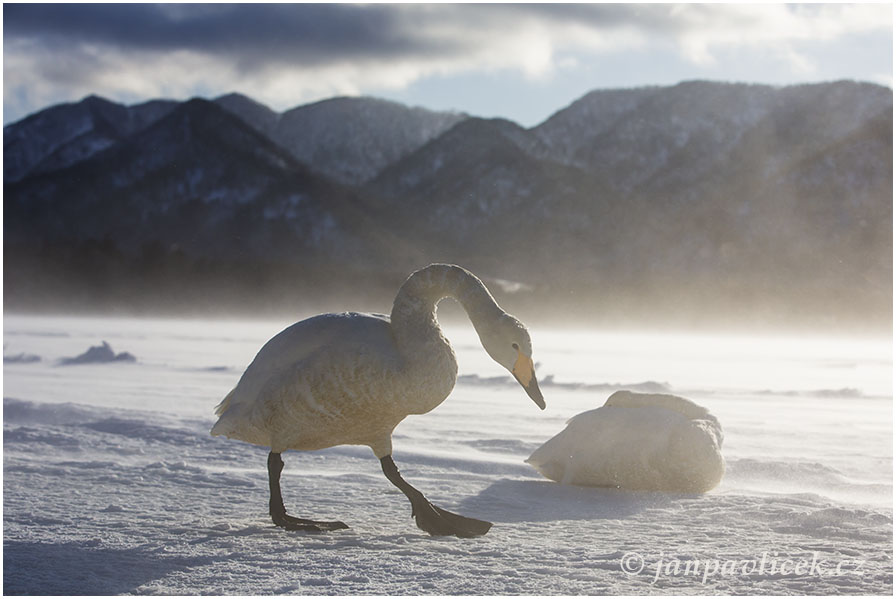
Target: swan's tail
233 422
220 427
225 403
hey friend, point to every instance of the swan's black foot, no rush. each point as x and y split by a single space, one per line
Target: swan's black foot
430 518
438 522
284 520
278 512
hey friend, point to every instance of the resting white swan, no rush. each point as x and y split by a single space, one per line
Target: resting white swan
349 379
640 442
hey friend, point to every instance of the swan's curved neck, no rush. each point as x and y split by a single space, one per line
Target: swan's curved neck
414 309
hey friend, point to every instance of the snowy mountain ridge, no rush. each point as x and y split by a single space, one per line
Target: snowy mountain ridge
743 194
69 133
347 139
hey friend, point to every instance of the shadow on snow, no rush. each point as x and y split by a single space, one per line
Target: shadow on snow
78 569
509 500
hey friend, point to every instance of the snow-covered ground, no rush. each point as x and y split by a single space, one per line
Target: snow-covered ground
112 483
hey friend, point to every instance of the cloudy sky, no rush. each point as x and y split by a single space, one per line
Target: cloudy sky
519 61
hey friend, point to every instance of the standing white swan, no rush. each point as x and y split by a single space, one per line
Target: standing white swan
349 379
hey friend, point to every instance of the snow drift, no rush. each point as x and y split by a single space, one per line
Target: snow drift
98 354
21 358
637 441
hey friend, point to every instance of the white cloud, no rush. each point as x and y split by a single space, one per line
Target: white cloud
773 27
883 79
413 42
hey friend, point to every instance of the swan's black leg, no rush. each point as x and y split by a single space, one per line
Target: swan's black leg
430 518
278 511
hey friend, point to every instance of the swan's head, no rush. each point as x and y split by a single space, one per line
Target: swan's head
507 341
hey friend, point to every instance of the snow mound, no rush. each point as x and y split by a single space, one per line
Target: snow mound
19 412
21 359
637 441
548 381
98 354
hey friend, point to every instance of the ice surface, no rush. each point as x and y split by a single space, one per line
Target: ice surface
112 483
637 441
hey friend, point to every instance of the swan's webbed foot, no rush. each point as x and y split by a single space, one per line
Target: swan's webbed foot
438 522
284 520
431 518
278 511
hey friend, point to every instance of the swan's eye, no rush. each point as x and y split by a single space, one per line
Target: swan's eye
515 346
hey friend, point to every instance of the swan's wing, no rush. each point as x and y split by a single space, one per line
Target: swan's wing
317 384
296 344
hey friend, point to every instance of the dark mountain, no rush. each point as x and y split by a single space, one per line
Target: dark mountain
352 139
730 195
347 139
259 116
834 215
478 198
201 185
570 129
697 201
68 133
675 139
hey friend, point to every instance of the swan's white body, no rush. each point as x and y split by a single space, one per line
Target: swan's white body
639 442
350 378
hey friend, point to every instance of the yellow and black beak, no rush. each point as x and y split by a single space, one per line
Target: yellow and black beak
524 372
